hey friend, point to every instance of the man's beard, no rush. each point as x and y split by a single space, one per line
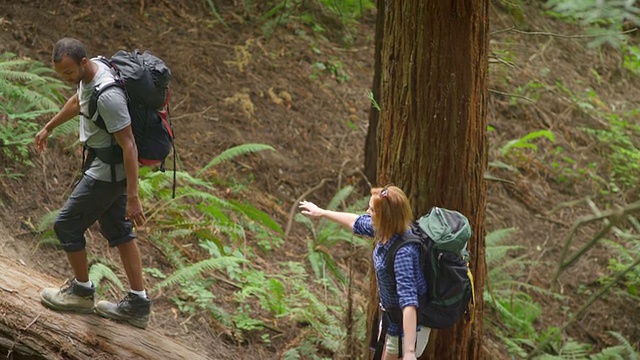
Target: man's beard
80 76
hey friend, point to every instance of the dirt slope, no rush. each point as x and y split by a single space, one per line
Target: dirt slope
234 85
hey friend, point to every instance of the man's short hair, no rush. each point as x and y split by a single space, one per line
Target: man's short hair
70 47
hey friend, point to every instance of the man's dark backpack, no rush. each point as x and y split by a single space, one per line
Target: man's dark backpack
442 235
145 79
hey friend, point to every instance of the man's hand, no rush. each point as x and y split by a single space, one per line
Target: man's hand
41 140
134 211
70 110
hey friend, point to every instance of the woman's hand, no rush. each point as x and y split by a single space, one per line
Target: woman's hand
409 356
310 209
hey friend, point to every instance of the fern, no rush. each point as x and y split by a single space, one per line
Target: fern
339 197
68 128
270 291
603 18
46 221
261 217
215 12
625 347
233 153
26 93
625 257
99 271
193 271
574 350
25 85
170 252
327 236
48 238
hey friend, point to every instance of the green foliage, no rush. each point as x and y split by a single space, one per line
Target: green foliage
27 92
567 169
233 153
603 19
44 228
517 309
193 271
631 59
623 154
373 101
327 235
215 12
99 272
518 312
348 10
514 307
221 227
314 13
323 316
279 14
334 68
514 8
525 142
615 141
532 91
625 257
572 349
270 291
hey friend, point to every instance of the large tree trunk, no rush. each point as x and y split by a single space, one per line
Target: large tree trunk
432 127
371 155
371 144
30 331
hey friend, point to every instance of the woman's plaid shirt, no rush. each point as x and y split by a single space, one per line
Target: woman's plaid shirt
410 281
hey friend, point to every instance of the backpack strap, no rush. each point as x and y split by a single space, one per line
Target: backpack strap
390 257
173 144
93 102
394 314
379 329
113 154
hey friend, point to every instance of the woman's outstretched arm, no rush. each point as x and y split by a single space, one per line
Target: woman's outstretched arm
343 218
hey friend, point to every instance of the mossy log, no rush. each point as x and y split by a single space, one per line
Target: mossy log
28 330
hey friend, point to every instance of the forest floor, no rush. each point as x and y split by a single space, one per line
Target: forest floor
234 85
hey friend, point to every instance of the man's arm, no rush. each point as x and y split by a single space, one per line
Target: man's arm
127 142
70 110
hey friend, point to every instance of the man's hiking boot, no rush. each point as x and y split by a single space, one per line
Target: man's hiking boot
72 297
132 309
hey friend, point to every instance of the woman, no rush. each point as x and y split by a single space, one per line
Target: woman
388 218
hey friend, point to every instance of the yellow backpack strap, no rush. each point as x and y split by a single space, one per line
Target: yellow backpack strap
473 296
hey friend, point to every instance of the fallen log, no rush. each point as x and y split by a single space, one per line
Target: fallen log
28 330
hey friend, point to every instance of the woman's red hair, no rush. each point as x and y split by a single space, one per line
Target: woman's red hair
391 212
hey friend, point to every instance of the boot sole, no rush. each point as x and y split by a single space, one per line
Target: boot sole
141 324
53 306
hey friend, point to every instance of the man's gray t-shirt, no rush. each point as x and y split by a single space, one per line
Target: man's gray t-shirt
112 106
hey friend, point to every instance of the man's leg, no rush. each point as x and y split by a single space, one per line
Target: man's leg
132 263
79 264
136 306
81 210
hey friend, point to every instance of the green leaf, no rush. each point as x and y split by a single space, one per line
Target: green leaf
233 153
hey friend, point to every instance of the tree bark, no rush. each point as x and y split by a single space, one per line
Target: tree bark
432 127
28 330
371 145
371 157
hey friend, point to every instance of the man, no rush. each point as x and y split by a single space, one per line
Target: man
103 196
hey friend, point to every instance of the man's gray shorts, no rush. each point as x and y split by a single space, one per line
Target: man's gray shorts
92 201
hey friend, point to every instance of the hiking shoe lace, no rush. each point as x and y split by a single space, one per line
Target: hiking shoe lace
71 296
132 309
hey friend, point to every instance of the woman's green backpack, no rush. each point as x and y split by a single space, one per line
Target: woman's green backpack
443 235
